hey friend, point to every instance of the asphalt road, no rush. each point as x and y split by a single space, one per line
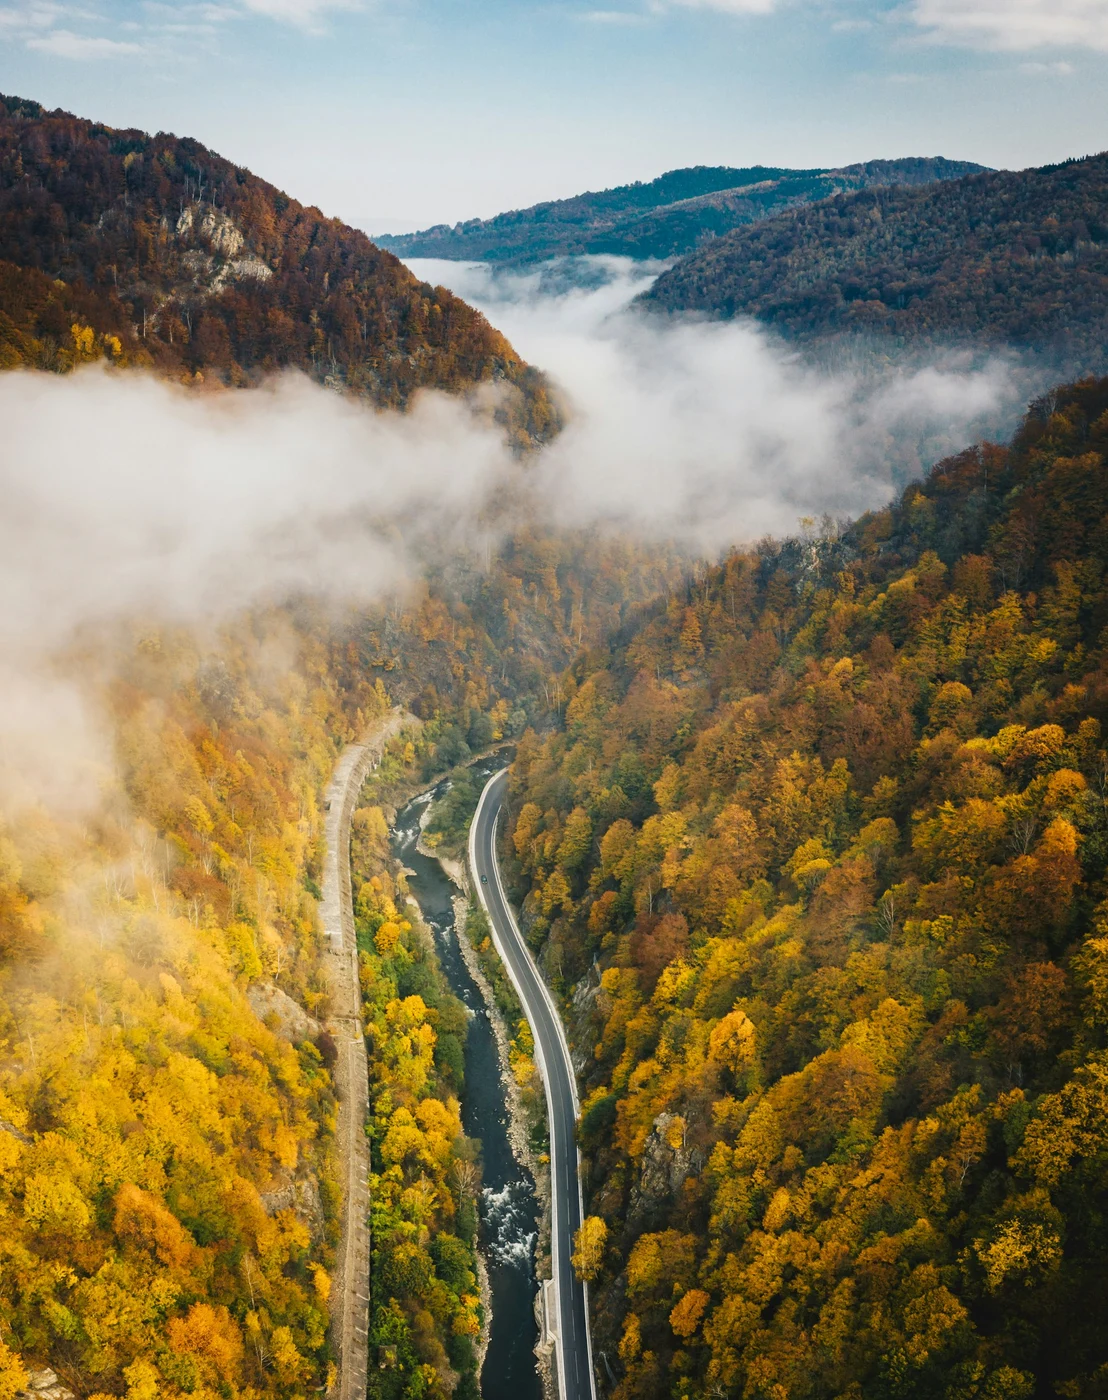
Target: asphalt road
573 1349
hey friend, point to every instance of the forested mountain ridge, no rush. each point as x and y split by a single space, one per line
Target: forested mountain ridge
663 218
182 260
821 851
999 258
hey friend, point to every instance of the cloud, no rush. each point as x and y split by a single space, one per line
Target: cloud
29 18
60 30
188 507
613 17
730 7
63 43
717 433
1015 25
304 14
50 28
132 503
656 8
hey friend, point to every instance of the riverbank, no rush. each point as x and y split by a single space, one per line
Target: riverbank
457 872
520 1126
510 1210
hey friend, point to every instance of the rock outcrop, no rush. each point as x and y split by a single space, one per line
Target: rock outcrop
285 1017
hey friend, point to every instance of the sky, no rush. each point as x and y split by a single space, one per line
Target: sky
396 114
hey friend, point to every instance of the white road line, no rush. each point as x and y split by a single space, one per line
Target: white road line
560 1264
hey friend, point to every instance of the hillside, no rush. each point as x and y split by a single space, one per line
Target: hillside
168 1170
664 218
1004 257
169 255
819 861
169 1188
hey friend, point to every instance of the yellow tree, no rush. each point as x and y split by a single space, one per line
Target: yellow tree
588 1252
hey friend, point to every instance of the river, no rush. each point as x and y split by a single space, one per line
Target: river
508 1209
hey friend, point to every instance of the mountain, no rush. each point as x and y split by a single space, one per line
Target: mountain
664 218
1000 257
818 862
194 265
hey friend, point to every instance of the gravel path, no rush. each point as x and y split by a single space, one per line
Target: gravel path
350 1286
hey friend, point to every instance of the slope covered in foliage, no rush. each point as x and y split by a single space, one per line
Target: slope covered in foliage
204 268
56 326
168 1198
664 218
1002 257
821 849
169 1195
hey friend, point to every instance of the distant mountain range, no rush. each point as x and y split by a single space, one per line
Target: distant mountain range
159 251
664 218
1000 257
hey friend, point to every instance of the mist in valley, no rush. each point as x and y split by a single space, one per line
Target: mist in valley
133 500
719 432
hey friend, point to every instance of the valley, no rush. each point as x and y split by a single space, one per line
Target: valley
553 794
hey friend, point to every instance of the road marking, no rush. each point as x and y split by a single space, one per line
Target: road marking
558 1078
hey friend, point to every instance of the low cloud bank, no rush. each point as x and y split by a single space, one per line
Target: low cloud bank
126 497
129 499
124 493
717 432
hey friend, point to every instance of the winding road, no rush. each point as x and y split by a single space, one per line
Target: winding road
573 1347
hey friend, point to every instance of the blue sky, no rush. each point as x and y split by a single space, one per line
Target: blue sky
399 113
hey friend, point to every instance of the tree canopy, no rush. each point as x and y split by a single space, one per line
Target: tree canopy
820 851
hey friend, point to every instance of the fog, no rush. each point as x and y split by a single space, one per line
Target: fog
717 432
130 498
123 492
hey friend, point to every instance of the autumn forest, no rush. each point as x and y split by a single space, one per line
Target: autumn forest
808 839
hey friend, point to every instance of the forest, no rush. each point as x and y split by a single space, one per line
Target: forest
663 218
169 1199
817 861
812 845
169 1191
201 269
427 1311
1001 258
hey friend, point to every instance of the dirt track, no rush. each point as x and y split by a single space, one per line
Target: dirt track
350 1285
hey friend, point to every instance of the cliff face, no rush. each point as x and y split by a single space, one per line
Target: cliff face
194 264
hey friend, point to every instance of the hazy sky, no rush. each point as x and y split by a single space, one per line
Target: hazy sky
399 113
